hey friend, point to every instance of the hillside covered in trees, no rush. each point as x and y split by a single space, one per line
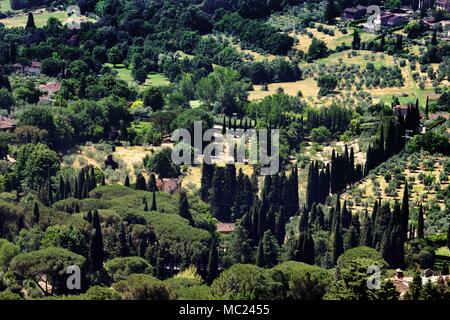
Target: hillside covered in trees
93 205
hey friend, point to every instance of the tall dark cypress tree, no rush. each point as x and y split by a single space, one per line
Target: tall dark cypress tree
306 251
92 179
127 181
405 210
60 195
330 12
295 203
206 181
97 254
270 221
217 196
124 248
280 231
153 208
183 207
448 236
260 255
338 245
213 262
141 184
346 216
145 204
30 22
367 233
224 125
351 239
420 224
36 213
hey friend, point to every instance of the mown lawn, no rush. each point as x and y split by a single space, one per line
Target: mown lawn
5 5
443 251
153 79
39 19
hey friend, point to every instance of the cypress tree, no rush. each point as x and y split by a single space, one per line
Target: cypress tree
356 42
448 236
206 180
346 216
260 255
60 195
329 12
152 183
92 179
420 224
224 126
320 219
351 239
145 205
445 269
303 222
399 43
36 213
85 193
124 249
280 232
405 209
153 208
338 246
306 248
270 221
382 42
160 265
213 262
88 217
12 52
427 110
295 201
141 184
183 207
97 254
386 248
103 181
217 196
127 181
30 22
367 234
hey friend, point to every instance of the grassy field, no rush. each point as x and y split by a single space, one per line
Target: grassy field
40 19
308 87
5 5
153 79
443 251
418 194
331 41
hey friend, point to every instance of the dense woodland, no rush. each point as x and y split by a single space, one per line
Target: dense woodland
304 233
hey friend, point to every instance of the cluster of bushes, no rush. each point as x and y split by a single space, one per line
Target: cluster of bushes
254 34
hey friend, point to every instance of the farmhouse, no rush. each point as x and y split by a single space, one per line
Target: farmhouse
443 5
7 124
169 185
355 13
387 20
49 89
34 69
225 228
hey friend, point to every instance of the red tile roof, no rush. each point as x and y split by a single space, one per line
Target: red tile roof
223 227
7 123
